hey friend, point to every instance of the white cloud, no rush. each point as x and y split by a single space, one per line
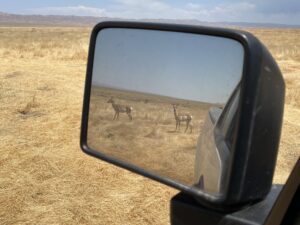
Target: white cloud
232 12
79 10
160 10
145 4
247 11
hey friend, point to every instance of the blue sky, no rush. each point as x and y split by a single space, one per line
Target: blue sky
187 66
264 11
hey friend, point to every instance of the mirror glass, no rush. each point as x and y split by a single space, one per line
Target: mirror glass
151 93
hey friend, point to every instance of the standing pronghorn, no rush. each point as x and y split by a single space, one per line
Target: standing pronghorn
182 118
120 109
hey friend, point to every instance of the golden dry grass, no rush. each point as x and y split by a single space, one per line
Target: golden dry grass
44 176
150 140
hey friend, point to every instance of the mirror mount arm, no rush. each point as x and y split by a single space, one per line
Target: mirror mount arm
184 210
279 207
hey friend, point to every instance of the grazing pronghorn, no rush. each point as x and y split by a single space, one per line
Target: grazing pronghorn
182 118
120 109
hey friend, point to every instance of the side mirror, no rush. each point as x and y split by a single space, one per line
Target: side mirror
196 108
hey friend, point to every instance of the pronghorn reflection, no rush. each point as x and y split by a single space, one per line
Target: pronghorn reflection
120 109
182 117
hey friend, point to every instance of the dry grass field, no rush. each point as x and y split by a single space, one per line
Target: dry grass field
150 140
44 176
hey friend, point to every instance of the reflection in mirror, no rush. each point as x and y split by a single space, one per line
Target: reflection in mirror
215 145
151 92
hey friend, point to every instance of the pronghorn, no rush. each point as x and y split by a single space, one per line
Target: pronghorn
120 109
182 118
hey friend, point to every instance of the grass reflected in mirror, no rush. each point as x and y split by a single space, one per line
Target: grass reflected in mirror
150 140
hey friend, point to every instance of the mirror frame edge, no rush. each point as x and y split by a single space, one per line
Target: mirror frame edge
253 55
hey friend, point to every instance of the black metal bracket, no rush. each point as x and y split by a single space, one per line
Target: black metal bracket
186 211
281 206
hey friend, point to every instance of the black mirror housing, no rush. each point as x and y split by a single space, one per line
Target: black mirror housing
256 130
259 130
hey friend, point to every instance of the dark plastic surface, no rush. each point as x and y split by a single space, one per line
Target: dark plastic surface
186 211
287 205
280 207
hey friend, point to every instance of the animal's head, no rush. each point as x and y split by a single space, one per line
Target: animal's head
111 100
174 106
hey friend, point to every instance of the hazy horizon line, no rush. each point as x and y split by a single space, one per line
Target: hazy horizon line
187 21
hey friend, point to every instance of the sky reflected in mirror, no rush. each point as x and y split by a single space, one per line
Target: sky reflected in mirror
188 66
151 94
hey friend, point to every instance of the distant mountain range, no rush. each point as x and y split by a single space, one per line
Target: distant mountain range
16 20
41 20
